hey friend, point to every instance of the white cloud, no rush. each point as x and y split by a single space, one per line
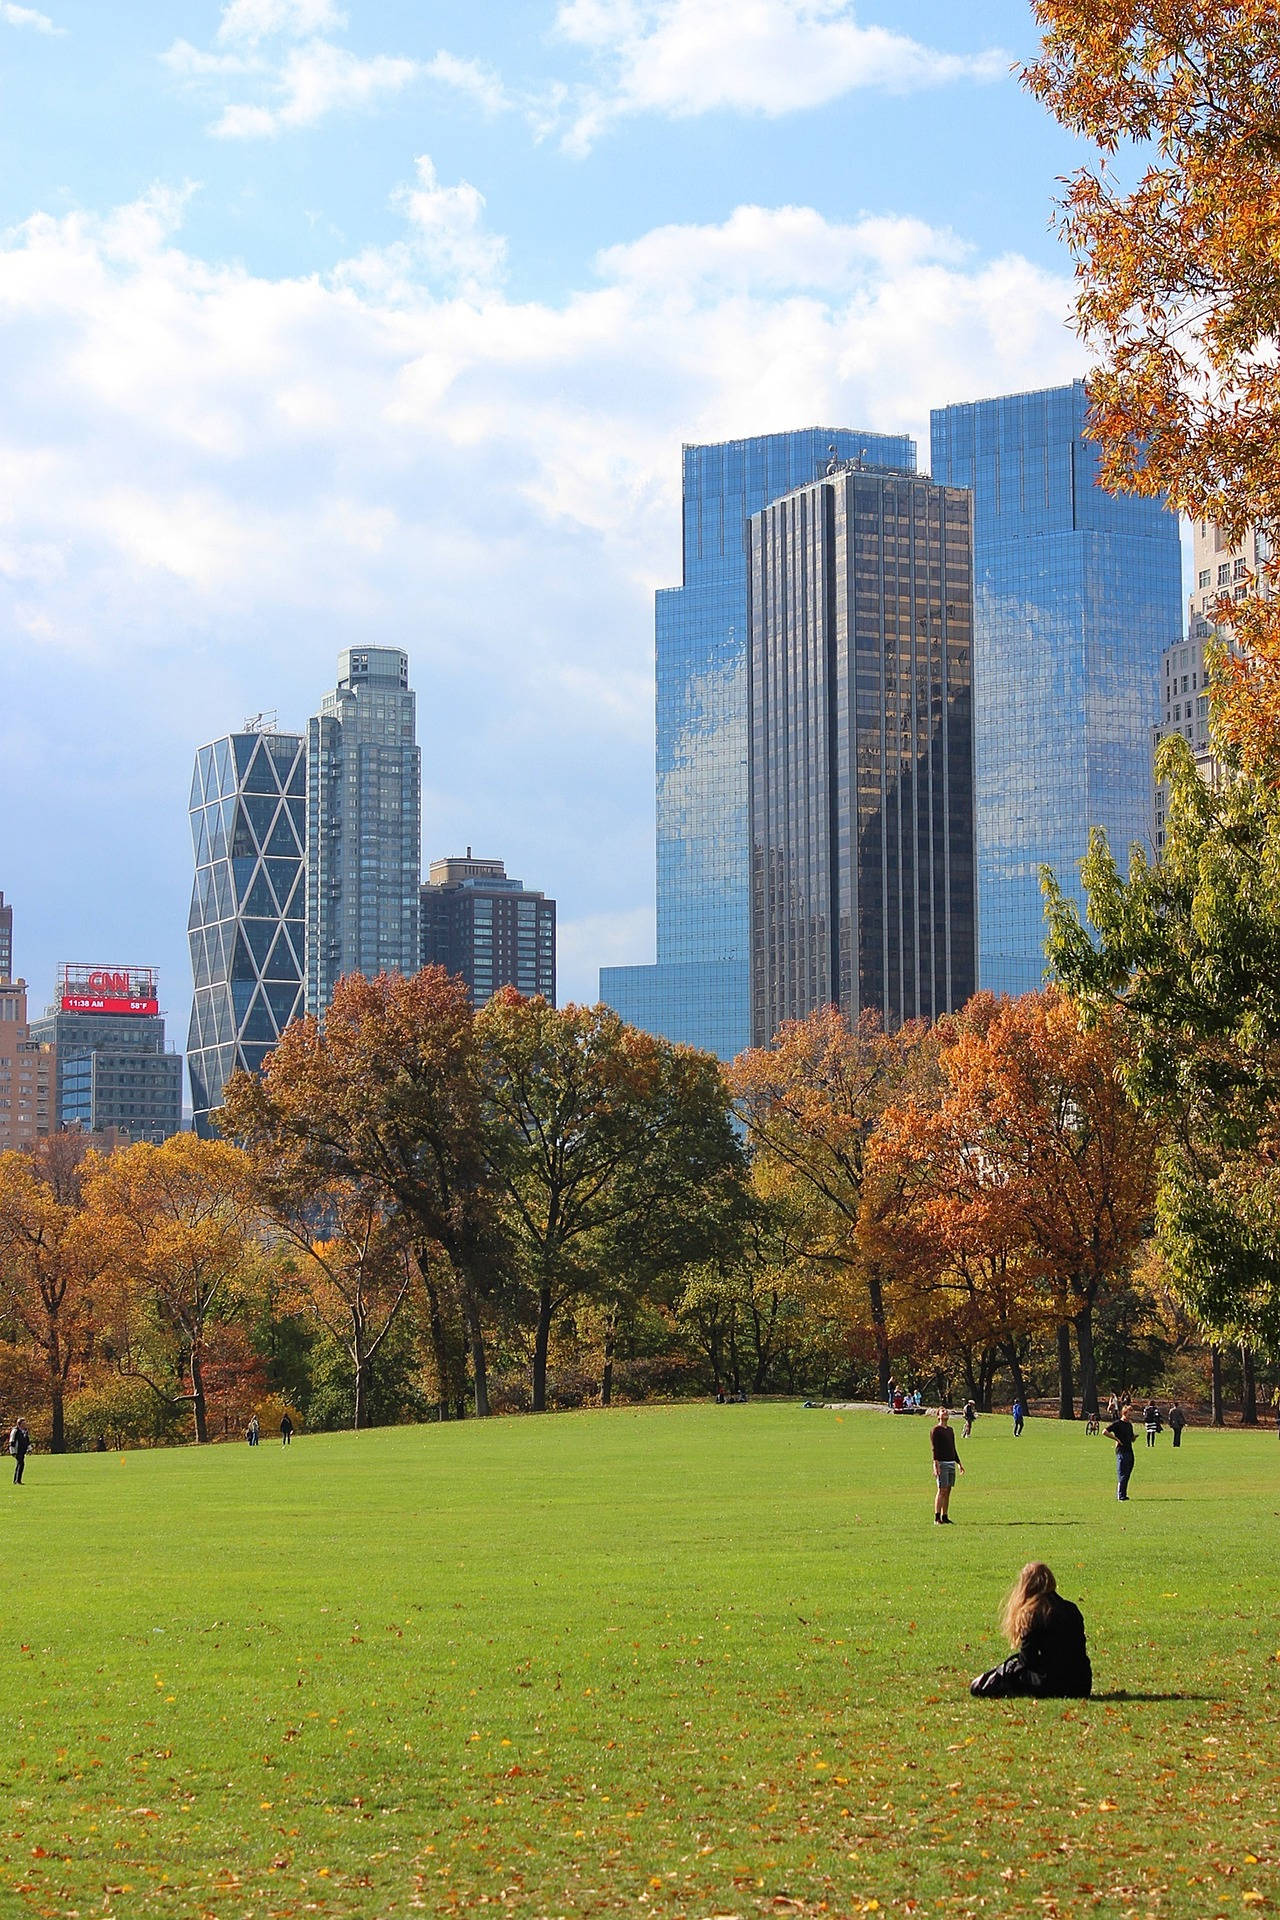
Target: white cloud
295 84
210 480
255 20
313 81
14 16
682 57
470 77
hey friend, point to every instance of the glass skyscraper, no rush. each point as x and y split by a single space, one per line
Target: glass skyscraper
364 783
861 751
1077 593
699 991
248 831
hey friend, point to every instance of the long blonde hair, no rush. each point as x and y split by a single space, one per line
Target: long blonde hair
1030 1591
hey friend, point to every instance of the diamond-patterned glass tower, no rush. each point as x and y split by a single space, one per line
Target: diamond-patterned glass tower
248 830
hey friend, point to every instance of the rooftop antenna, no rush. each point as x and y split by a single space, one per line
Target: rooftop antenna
261 722
833 463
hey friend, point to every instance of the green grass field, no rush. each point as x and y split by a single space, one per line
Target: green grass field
686 1661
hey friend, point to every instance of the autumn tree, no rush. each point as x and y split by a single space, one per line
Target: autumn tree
352 1268
811 1103
175 1227
1179 277
387 1092
48 1261
947 1227
1050 1167
613 1152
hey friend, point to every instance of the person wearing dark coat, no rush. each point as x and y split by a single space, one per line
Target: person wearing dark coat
19 1447
1177 1421
1051 1656
1121 1431
286 1431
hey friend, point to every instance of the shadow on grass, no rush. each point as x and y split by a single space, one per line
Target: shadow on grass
1120 1694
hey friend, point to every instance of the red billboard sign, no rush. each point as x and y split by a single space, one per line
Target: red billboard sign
89 989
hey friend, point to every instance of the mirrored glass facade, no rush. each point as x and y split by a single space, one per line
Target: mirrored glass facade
699 992
861 751
1077 595
248 832
364 785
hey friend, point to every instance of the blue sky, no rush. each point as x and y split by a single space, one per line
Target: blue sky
386 321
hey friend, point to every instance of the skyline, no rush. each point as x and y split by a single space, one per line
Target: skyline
240 437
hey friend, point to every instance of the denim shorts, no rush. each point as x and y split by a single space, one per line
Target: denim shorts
946 1472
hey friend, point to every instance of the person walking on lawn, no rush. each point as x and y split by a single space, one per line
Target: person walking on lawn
1019 1415
970 1415
946 1465
1121 1431
1177 1421
19 1447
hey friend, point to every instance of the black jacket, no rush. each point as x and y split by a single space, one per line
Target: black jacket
1055 1649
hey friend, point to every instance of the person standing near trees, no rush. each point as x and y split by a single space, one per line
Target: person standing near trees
946 1464
1121 1431
1019 1415
1151 1421
970 1415
19 1447
1177 1421
286 1430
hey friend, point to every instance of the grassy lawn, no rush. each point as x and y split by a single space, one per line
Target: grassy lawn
693 1661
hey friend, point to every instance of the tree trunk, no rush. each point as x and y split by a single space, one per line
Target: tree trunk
1216 1415
58 1437
610 1347
439 1339
1248 1388
541 1342
1066 1385
1015 1374
197 1395
1088 1361
358 1383
475 1336
875 1293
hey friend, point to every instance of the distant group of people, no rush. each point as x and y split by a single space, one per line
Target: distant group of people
253 1432
903 1401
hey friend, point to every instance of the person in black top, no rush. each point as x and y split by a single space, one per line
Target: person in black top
1121 1431
1177 1421
1051 1657
286 1431
19 1447
970 1415
946 1464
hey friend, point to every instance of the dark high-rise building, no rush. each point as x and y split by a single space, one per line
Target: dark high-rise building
490 930
364 782
113 1070
1077 595
6 940
699 990
861 750
248 832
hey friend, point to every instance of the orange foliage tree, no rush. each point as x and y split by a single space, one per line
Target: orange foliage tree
811 1103
175 1226
48 1262
1180 278
1032 1174
388 1093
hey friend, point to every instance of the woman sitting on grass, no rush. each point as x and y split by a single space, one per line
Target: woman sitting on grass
1051 1658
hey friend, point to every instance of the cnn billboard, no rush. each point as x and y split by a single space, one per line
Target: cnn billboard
83 988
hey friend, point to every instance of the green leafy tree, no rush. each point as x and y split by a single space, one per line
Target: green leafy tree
614 1154
1187 953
